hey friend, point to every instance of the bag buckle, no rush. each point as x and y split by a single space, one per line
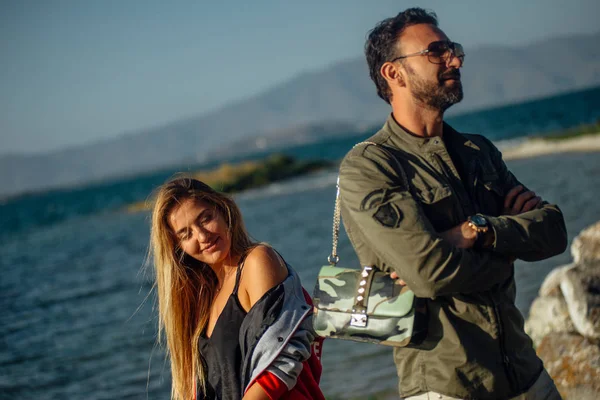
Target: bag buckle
358 320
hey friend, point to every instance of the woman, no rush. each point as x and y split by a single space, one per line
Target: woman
235 316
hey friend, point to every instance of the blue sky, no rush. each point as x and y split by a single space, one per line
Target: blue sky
77 71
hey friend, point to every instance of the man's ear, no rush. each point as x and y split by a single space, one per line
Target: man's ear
393 74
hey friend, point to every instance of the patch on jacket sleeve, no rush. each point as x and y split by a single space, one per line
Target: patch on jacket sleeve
373 199
388 215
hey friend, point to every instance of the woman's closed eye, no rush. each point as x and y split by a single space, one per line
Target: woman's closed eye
205 218
184 235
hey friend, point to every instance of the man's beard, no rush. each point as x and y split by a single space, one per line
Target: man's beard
436 95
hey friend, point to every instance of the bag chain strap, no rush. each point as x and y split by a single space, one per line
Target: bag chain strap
334 258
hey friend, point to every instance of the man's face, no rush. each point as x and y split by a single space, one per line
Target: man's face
436 86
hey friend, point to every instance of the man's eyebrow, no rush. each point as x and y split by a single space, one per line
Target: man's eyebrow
185 228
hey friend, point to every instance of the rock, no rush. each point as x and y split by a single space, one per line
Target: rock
581 290
551 285
564 321
586 246
574 363
546 315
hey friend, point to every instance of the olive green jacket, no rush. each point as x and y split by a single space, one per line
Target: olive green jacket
395 199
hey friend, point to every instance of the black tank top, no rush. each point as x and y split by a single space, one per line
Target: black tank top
222 353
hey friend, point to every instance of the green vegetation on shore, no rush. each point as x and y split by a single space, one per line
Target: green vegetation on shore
252 174
232 178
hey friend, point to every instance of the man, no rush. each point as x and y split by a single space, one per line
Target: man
441 210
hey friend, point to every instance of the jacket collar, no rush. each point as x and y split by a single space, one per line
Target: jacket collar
401 138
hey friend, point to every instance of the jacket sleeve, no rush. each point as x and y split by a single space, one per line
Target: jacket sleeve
271 385
288 364
531 236
306 384
378 202
276 335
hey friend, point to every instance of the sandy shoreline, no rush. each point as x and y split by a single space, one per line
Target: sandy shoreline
540 146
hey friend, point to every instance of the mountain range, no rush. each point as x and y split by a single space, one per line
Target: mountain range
334 100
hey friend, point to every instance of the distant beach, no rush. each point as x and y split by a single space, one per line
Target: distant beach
534 147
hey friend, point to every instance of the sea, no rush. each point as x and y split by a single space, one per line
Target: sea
78 316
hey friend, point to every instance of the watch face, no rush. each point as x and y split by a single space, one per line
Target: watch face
479 221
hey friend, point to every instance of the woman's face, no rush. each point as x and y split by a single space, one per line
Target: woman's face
201 230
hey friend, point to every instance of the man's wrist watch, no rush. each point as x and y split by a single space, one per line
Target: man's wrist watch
481 226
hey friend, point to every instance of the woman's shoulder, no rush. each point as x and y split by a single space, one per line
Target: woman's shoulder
263 269
264 258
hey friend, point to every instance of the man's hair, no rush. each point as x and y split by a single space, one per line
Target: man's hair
380 46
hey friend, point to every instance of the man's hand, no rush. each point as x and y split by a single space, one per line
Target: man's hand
394 275
461 236
517 201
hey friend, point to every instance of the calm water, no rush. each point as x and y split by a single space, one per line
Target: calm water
77 320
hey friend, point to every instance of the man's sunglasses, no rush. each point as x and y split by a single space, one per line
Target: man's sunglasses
439 52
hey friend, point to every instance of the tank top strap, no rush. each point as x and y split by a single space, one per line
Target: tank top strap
241 266
238 276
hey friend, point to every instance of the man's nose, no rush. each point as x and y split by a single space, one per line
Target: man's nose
454 61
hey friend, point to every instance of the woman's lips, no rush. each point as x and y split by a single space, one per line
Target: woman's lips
211 246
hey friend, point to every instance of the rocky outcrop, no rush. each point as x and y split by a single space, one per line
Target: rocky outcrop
548 314
581 290
586 246
573 361
564 321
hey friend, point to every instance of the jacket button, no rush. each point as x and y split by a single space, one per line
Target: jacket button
280 339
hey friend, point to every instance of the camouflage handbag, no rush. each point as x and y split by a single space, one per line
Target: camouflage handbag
364 305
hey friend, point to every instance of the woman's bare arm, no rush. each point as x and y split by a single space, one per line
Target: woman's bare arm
263 269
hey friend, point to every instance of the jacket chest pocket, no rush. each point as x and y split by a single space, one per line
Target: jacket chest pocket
438 204
488 191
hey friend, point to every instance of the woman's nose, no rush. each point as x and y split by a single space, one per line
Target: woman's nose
200 233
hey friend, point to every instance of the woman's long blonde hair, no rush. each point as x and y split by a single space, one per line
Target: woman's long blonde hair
186 287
